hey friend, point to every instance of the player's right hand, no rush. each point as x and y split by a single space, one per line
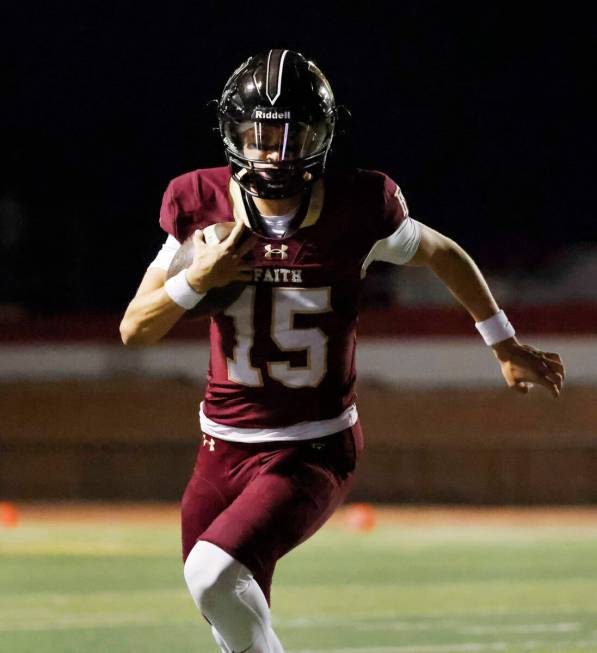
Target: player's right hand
219 264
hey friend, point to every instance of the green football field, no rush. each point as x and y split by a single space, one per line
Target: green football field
403 588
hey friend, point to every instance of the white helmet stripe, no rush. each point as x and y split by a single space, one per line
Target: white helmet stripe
285 142
273 79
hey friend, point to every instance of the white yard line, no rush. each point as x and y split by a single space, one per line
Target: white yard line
48 620
388 623
521 628
466 647
88 621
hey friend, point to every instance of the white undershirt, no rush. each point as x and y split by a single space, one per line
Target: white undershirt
277 225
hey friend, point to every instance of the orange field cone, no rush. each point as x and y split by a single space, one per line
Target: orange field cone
9 515
360 517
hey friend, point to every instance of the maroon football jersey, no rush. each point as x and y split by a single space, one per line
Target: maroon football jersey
284 352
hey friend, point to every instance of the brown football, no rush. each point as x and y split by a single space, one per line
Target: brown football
215 300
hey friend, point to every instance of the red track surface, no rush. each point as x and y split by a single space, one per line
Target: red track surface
421 322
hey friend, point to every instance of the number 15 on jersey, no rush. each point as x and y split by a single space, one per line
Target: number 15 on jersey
286 303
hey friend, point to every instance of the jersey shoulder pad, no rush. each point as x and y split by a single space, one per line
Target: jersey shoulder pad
191 200
389 200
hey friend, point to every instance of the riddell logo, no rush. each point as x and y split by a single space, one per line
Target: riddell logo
268 114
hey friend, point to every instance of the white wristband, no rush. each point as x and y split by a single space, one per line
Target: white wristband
495 329
181 292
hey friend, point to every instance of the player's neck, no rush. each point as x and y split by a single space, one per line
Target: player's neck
277 207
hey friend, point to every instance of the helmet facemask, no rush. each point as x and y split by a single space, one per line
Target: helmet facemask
276 159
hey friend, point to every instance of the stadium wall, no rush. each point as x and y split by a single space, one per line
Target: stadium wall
94 421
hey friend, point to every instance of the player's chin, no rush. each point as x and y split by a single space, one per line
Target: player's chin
276 176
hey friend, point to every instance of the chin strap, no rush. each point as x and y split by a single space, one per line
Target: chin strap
289 182
256 221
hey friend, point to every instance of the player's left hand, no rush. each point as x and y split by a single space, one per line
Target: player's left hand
523 366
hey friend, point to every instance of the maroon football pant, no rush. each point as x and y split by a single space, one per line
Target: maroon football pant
258 501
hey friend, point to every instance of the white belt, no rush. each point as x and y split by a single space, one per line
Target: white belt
298 431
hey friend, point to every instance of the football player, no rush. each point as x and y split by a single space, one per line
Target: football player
281 435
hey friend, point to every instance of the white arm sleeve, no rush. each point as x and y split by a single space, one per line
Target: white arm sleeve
166 254
397 248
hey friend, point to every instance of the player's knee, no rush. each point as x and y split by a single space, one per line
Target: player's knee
210 596
204 582
211 576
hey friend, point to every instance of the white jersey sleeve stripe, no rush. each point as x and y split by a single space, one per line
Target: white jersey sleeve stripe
397 248
166 254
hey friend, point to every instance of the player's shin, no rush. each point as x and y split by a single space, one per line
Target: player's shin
219 641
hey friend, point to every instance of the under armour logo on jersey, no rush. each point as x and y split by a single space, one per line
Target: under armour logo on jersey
209 441
270 252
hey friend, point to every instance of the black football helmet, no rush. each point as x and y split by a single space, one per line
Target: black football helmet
277 116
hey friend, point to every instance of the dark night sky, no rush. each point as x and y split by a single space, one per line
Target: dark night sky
480 112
